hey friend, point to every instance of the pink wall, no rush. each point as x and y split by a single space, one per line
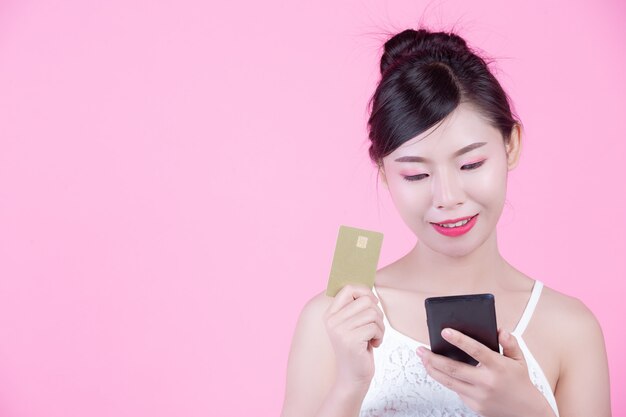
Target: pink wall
172 176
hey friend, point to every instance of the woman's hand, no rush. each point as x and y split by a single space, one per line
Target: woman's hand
354 323
498 387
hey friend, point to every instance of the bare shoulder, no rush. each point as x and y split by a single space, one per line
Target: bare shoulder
570 323
583 365
570 314
318 303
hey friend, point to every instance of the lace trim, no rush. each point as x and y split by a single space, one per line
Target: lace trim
401 387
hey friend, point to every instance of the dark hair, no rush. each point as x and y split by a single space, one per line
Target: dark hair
424 77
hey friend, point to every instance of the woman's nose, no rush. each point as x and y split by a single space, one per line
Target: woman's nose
447 191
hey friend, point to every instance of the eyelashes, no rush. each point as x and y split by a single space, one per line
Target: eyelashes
415 177
466 167
473 166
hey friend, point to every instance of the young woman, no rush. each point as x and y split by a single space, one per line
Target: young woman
444 138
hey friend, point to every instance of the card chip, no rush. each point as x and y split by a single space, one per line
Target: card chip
361 242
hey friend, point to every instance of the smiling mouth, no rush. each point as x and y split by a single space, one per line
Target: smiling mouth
455 224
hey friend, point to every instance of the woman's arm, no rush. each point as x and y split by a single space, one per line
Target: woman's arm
583 386
310 369
333 331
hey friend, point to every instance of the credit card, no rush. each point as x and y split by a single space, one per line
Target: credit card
355 259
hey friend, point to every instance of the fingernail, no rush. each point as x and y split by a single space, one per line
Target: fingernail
446 332
420 351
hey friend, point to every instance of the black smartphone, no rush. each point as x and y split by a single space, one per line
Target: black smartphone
471 314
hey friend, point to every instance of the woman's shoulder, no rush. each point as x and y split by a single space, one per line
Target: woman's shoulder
316 306
565 309
570 319
568 324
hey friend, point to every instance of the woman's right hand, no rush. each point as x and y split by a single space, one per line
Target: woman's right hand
354 323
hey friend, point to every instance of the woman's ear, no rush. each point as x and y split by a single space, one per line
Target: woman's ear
514 146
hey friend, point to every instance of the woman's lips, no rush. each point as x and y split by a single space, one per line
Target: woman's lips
458 230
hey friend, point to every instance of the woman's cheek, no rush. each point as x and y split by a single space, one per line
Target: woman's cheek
407 191
411 199
489 186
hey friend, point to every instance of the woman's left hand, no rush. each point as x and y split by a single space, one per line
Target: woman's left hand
499 386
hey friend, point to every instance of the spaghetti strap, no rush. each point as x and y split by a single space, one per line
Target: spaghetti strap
530 308
380 304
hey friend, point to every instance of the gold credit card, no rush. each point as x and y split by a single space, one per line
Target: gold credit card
355 259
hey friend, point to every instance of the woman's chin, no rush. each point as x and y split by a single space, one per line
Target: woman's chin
456 253
456 249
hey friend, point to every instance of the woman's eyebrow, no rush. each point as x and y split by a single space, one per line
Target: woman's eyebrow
458 153
468 148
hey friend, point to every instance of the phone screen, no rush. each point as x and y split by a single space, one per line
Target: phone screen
473 315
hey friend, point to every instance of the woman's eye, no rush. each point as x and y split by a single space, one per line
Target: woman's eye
415 177
473 166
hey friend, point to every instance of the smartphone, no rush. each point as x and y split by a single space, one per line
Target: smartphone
473 315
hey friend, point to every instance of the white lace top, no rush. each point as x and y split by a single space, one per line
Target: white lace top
402 388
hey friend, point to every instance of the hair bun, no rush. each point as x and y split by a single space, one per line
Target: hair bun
410 42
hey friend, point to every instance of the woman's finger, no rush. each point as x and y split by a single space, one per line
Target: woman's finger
348 294
452 368
357 307
510 346
366 316
450 381
472 347
370 332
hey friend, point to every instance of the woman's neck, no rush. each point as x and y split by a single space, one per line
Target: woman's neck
482 270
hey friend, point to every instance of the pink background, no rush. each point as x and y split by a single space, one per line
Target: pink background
173 174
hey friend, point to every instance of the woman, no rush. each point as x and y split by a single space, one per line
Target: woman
444 138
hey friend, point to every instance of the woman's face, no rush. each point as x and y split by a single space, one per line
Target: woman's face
449 183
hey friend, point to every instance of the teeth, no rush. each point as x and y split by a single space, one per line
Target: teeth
457 224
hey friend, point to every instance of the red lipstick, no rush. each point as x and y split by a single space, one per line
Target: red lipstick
458 230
